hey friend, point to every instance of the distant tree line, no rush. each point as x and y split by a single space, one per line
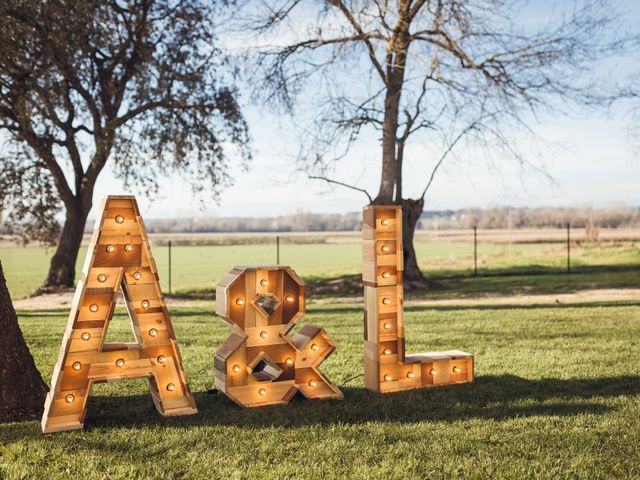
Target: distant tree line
490 218
541 217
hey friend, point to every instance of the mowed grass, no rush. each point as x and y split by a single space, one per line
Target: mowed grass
198 268
557 395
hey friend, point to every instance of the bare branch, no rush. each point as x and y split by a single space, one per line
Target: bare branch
352 187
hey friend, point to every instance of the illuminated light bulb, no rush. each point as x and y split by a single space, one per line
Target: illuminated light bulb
312 383
386 274
128 247
102 278
264 334
457 369
387 378
314 347
384 222
264 282
387 326
120 362
262 391
387 351
111 248
93 307
385 249
433 371
239 301
145 304
119 219
386 301
236 368
76 365
86 336
289 299
137 275
288 361
153 332
410 375
70 398
171 387
162 359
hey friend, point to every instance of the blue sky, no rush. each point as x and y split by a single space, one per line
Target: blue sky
589 155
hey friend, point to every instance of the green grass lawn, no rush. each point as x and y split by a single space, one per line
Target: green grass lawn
557 395
198 268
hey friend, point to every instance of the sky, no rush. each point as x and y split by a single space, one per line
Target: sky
589 155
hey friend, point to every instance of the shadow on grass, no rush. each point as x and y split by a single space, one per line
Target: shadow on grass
489 397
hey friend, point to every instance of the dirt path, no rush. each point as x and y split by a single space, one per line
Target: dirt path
63 300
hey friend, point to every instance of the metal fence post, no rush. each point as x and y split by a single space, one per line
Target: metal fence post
568 247
169 267
278 249
475 251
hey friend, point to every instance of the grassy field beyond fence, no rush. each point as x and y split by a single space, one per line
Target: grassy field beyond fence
200 267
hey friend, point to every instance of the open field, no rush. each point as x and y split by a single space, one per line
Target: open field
557 395
199 268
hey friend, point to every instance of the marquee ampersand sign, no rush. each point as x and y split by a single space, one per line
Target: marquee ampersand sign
118 259
386 367
260 364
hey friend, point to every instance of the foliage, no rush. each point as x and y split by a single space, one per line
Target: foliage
138 82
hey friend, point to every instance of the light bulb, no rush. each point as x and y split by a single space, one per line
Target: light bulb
93 307
314 347
387 351
128 247
236 368
410 375
153 332
385 249
102 278
76 365
120 362
111 248
384 222
162 359
119 219
137 275
70 398
312 383
457 369
171 387
386 274
289 299
387 326
145 304
386 301
288 361
264 282
433 371
262 391
239 301
86 336
264 334
387 378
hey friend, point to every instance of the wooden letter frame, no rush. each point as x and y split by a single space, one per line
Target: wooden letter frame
260 364
118 259
386 366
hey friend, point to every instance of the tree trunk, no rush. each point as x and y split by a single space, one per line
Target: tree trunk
411 212
389 161
22 390
62 270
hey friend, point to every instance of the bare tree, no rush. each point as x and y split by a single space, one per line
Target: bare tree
443 72
82 82
22 389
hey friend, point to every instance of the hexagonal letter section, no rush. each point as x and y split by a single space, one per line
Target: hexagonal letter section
260 363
